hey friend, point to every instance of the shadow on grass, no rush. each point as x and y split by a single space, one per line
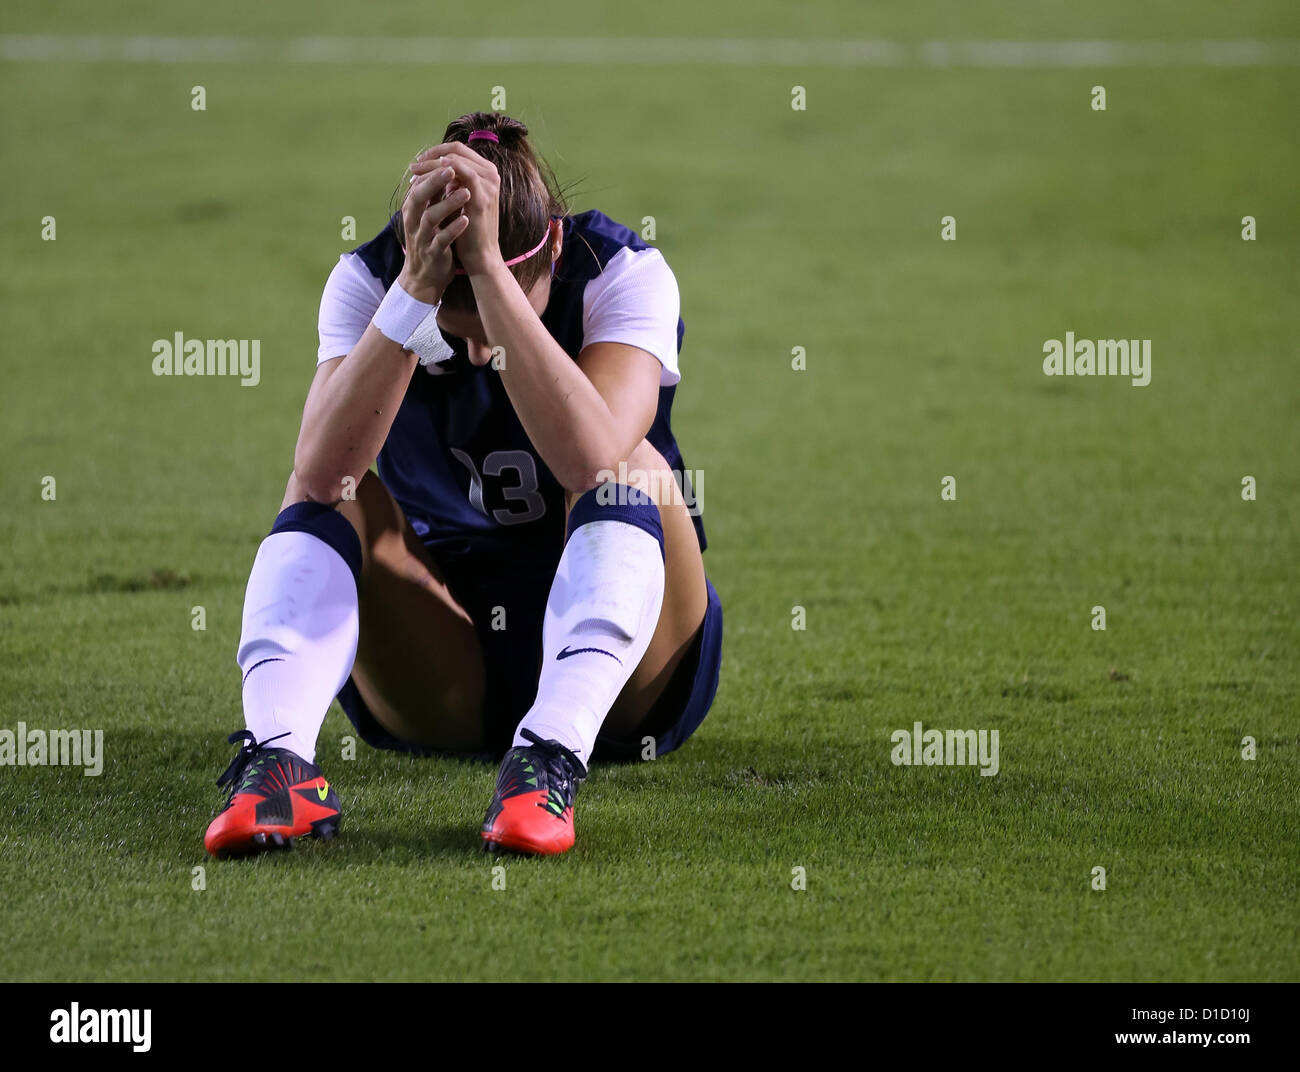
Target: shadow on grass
158 792
157 795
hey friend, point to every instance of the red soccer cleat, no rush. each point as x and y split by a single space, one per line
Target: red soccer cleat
532 807
275 796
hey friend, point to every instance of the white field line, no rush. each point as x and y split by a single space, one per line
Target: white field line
59 48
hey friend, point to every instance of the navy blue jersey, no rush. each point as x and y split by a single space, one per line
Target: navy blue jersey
457 459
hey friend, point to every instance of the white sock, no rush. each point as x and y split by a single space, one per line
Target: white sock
601 613
299 639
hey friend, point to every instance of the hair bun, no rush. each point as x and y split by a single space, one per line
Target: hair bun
506 131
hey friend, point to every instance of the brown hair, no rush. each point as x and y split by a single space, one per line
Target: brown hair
529 197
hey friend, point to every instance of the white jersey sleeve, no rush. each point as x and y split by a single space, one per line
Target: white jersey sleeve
350 299
635 301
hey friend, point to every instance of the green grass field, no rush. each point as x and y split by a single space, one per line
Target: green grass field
1120 749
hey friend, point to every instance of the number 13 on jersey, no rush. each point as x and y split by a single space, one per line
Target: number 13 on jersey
516 473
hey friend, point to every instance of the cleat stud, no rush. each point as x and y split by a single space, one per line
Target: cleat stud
325 829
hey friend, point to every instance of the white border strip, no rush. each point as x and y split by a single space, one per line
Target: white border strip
623 51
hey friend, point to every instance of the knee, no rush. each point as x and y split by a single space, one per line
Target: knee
297 490
646 470
294 492
367 498
646 459
366 508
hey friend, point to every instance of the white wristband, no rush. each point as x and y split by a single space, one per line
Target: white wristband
399 314
427 343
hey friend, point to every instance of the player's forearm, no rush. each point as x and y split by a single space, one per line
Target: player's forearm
346 420
568 422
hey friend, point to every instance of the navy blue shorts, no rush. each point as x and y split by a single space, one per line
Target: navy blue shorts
492 587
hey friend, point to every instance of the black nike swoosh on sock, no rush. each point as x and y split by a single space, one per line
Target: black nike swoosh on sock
273 659
566 653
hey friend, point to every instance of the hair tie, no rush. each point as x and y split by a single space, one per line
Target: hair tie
487 135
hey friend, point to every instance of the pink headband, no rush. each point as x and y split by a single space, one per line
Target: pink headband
484 134
523 256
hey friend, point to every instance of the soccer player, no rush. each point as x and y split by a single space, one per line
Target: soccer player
524 574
